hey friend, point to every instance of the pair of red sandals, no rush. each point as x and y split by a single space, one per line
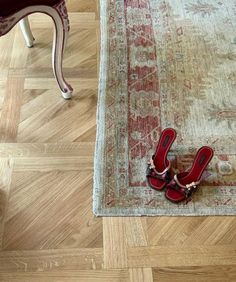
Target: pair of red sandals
181 186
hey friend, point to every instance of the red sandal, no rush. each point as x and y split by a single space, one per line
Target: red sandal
185 184
158 170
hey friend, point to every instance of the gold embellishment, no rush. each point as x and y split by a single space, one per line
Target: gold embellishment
151 163
191 185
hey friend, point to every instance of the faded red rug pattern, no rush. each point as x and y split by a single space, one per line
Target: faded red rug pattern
169 64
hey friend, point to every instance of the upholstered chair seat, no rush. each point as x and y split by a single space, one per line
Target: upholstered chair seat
9 7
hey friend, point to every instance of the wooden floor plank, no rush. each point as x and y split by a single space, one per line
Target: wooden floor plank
69 276
10 114
48 150
51 260
141 275
136 231
115 242
5 181
53 163
171 256
216 273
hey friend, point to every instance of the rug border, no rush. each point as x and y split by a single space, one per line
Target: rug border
100 116
99 147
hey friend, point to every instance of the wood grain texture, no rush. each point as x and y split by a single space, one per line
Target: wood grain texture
140 275
51 260
47 229
10 114
172 256
5 181
73 276
195 273
115 242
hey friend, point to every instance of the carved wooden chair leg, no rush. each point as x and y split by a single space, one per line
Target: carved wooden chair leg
59 15
61 21
25 28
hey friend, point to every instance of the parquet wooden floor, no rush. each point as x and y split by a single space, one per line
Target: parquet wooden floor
47 229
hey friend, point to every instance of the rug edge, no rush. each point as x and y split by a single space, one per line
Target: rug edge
137 213
100 115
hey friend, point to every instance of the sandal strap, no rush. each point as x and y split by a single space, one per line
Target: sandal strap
152 166
164 175
188 186
187 190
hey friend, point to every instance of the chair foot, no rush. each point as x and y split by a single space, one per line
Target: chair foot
25 28
30 44
67 95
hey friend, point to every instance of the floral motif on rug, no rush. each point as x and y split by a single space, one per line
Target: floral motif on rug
165 64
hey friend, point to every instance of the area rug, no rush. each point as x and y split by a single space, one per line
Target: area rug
165 64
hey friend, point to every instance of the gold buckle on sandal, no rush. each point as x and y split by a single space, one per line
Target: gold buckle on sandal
192 185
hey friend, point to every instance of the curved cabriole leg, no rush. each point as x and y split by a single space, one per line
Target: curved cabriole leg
60 17
25 28
60 37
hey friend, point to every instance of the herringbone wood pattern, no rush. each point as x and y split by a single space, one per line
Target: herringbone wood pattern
47 229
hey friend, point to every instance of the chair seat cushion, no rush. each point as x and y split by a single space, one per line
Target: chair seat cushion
9 7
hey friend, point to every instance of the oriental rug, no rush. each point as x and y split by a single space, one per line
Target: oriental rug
165 64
